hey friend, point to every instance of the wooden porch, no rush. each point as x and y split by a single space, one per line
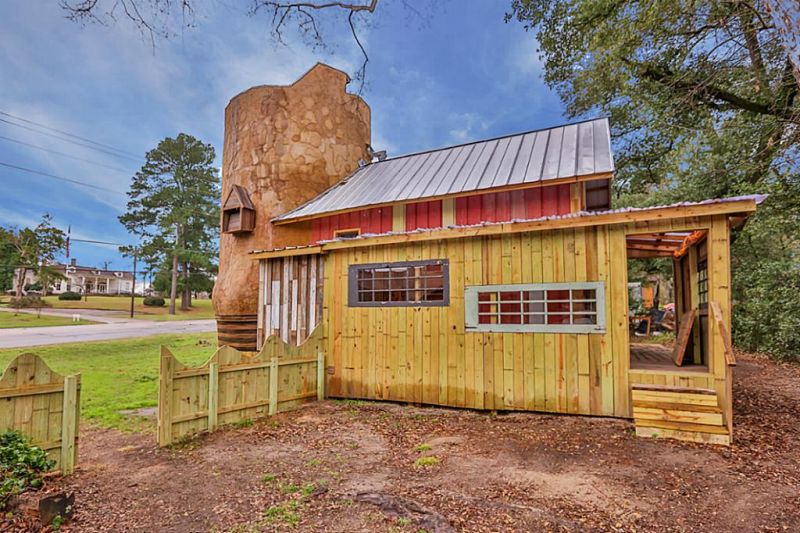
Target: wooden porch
674 401
658 357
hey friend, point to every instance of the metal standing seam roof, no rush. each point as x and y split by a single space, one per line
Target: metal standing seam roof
572 150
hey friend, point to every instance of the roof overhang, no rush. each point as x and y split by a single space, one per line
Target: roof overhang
737 208
279 221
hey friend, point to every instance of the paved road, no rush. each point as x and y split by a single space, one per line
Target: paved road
19 337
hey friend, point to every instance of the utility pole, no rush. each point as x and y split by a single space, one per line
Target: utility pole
133 286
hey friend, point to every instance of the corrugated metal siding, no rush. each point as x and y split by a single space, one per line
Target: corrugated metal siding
510 205
424 215
563 152
375 220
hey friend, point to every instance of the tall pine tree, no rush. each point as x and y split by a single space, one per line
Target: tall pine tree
173 208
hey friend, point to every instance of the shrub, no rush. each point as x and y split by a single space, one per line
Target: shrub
21 465
153 301
69 295
28 302
36 286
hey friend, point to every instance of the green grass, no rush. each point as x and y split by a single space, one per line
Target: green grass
26 320
119 374
430 460
287 513
200 308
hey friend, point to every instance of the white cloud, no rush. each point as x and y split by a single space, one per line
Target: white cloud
467 127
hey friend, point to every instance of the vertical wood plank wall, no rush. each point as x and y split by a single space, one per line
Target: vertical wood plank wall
290 298
424 355
374 220
502 206
519 204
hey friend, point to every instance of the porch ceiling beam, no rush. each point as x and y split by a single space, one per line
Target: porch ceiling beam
676 244
653 247
642 254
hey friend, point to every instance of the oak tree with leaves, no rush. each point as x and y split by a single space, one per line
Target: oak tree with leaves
703 102
33 249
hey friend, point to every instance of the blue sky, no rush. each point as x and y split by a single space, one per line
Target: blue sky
457 74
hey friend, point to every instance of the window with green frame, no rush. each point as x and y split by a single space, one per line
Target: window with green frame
572 307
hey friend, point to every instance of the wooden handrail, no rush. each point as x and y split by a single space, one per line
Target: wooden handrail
730 358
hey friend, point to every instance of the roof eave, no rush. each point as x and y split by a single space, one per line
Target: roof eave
739 207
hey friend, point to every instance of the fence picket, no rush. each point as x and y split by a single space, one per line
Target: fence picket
273 386
250 386
213 395
42 405
69 423
320 376
166 380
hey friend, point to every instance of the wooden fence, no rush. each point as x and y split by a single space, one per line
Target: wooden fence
233 386
44 406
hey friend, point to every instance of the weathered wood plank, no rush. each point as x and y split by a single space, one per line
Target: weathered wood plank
691 436
676 415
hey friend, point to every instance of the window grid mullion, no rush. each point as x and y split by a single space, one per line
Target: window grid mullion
546 310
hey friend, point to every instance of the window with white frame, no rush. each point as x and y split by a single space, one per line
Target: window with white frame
572 307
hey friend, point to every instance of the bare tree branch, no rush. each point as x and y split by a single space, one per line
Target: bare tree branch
152 18
307 23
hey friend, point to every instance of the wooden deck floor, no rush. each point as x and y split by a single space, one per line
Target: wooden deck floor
657 357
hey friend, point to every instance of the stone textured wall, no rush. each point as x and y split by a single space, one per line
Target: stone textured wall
285 145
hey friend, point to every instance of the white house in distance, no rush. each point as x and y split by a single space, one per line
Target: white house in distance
85 280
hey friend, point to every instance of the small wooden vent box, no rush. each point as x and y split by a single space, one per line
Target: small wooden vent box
238 212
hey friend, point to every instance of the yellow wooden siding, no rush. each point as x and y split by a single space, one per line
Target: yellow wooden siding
719 290
424 355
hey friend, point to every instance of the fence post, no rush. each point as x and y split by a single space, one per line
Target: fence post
69 422
213 395
165 398
320 376
273 386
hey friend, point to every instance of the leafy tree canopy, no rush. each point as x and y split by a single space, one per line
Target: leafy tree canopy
33 249
703 103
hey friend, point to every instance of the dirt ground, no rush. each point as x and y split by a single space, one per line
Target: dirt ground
353 466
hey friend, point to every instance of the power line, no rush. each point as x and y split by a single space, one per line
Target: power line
68 134
98 242
42 148
53 176
79 143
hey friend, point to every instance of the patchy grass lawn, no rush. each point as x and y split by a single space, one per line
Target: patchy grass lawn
361 467
27 320
201 309
119 374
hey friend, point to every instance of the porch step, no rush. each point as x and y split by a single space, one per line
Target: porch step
683 413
